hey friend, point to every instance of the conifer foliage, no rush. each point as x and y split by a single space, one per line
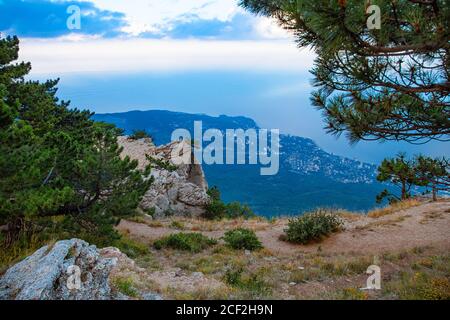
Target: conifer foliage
56 164
391 83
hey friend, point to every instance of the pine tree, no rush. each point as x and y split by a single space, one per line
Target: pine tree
401 173
433 173
391 83
57 162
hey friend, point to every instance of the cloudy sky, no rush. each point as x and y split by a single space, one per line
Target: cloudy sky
202 56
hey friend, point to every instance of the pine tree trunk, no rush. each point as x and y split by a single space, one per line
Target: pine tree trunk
404 191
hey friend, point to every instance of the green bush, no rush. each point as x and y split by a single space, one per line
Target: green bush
242 239
140 134
217 209
248 282
236 210
214 193
193 242
313 226
161 164
126 287
177 225
131 248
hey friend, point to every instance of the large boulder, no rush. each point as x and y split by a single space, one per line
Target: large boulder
45 274
67 270
181 190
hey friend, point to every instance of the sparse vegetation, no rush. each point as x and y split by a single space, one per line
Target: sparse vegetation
217 209
177 225
131 248
242 239
140 134
125 286
251 283
313 226
393 208
161 164
193 242
420 286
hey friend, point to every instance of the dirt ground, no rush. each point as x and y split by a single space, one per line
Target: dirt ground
412 246
425 225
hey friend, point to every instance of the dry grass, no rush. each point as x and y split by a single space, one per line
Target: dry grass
383 223
399 206
431 216
350 216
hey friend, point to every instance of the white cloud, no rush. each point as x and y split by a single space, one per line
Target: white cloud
269 29
58 56
150 15
158 16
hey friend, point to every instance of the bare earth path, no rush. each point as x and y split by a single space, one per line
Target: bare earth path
424 225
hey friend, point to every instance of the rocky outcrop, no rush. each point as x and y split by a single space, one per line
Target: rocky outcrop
178 190
68 270
45 275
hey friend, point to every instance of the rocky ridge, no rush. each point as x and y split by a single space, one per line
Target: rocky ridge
178 190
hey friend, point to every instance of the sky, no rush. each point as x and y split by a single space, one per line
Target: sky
196 56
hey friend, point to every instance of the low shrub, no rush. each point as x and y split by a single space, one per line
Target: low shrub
193 242
242 239
139 134
217 209
313 226
131 248
237 210
177 225
125 286
161 164
253 282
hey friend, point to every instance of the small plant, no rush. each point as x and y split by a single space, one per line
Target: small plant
236 210
151 212
253 283
353 294
242 239
313 227
233 277
140 134
177 225
214 193
131 248
126 287
161 164
169 213
193 242
217 209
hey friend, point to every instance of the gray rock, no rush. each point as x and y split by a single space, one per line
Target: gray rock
45 275
179 192
198 274
151 296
